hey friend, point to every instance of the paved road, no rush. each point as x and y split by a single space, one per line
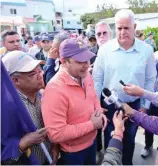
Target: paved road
137 159
153 158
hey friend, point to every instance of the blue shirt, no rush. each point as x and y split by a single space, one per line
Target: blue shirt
50 69
135 65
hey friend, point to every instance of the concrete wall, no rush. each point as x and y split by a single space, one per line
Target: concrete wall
21 10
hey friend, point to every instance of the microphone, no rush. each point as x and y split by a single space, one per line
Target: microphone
112 98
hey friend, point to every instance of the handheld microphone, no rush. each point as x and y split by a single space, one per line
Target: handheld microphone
112 98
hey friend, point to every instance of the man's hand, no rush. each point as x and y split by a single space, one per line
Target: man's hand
55 152
53 53
133 90
119 121
32 138
128 110
144 110
96 119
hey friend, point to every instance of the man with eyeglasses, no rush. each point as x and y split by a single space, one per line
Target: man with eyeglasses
10 41
27 76
102 35
102 32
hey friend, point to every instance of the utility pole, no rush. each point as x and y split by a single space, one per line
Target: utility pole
63 15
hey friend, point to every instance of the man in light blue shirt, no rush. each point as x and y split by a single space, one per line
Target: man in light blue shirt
131 60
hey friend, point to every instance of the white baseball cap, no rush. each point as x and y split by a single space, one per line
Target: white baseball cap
18 61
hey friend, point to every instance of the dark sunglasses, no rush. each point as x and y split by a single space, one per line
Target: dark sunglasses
99 34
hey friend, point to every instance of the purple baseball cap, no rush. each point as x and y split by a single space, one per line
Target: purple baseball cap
76 49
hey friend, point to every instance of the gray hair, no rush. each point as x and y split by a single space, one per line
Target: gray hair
15 74
103 23
60 37
125 13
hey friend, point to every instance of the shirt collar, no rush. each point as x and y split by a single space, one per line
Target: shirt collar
135 46
26 98
70 80
74 79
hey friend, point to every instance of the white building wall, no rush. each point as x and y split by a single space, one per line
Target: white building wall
150 22
46 9
21 10
72 21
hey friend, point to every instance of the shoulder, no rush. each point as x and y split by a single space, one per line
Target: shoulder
143 47
108 47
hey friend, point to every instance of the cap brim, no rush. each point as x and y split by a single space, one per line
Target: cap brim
31 66
84 56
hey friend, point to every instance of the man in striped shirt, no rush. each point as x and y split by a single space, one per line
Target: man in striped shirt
27 76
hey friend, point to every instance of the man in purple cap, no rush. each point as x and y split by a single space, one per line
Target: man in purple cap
70 107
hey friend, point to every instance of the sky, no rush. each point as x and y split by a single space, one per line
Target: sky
86 6
81 6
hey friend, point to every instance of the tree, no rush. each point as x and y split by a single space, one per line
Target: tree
108 10
142 6
87 19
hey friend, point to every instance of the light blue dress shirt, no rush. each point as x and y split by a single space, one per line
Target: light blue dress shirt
135 65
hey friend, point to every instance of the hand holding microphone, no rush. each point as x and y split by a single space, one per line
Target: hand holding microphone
112 98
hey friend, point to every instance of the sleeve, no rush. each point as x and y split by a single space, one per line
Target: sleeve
113 154
150 77
54 111
96 100
49 71
151 96
10 150
149 123
98 72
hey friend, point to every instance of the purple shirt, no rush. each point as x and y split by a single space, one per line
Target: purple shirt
149 123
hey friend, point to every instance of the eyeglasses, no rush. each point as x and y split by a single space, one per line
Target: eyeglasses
103 33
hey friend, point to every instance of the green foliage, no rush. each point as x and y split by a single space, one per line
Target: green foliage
107 11
155 32
87 19
142 6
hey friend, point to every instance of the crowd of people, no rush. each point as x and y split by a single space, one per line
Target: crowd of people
60 83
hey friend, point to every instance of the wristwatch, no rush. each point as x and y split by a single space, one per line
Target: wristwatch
117 133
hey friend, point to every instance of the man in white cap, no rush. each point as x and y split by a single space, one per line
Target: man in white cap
27 76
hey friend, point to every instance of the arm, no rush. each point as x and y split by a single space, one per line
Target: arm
151 96
54 111
134 90
113 154
97 102
150 76
149 123
10 151
48 68
98 72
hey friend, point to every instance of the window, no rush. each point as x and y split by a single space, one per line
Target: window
13 11
58 21
78 23
68 22
69 10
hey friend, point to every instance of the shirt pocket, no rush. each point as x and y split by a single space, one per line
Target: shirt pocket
138 70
